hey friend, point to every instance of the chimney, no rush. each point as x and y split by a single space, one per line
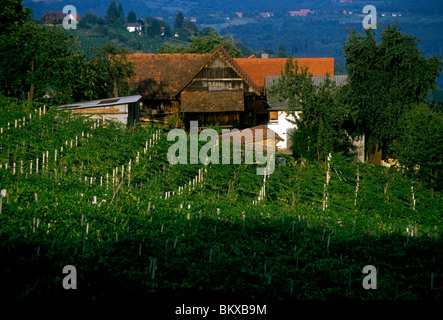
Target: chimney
264 56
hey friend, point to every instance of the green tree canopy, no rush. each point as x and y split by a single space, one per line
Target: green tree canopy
205 44
118 69
131 17
91 18
112 14
282 53
420 145
179 20
153 27
120 15
320 125
384 80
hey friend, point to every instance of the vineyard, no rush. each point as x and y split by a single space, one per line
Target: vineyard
103 198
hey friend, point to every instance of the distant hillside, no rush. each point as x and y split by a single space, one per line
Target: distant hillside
200 7
99 35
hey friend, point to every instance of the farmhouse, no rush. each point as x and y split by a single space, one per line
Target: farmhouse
210 88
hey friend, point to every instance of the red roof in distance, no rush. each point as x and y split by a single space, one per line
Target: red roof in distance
258 69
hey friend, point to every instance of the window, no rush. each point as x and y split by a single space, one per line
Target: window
273 115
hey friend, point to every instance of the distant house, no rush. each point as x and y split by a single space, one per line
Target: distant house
121 109
300 13
266 14
134 27
56 17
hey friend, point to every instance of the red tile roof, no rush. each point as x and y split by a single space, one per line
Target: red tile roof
258 69
164 76
161 76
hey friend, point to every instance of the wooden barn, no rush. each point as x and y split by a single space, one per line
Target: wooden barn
210 88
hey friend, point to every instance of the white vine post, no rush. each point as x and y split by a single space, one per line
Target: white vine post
413 198
356 187
325 200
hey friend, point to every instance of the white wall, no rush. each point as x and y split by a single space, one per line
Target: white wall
283 127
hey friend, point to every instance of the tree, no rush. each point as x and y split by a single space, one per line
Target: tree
420 145
118 70
51 58
90 18
131 17
12 65
282 53
12 14
37 60
153 28
112 15
384 80
179 20
320 128
205 44
120 15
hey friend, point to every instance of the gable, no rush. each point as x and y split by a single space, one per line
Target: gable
164 76
217 75
222 66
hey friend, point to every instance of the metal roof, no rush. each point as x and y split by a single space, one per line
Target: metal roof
317 80
102 102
